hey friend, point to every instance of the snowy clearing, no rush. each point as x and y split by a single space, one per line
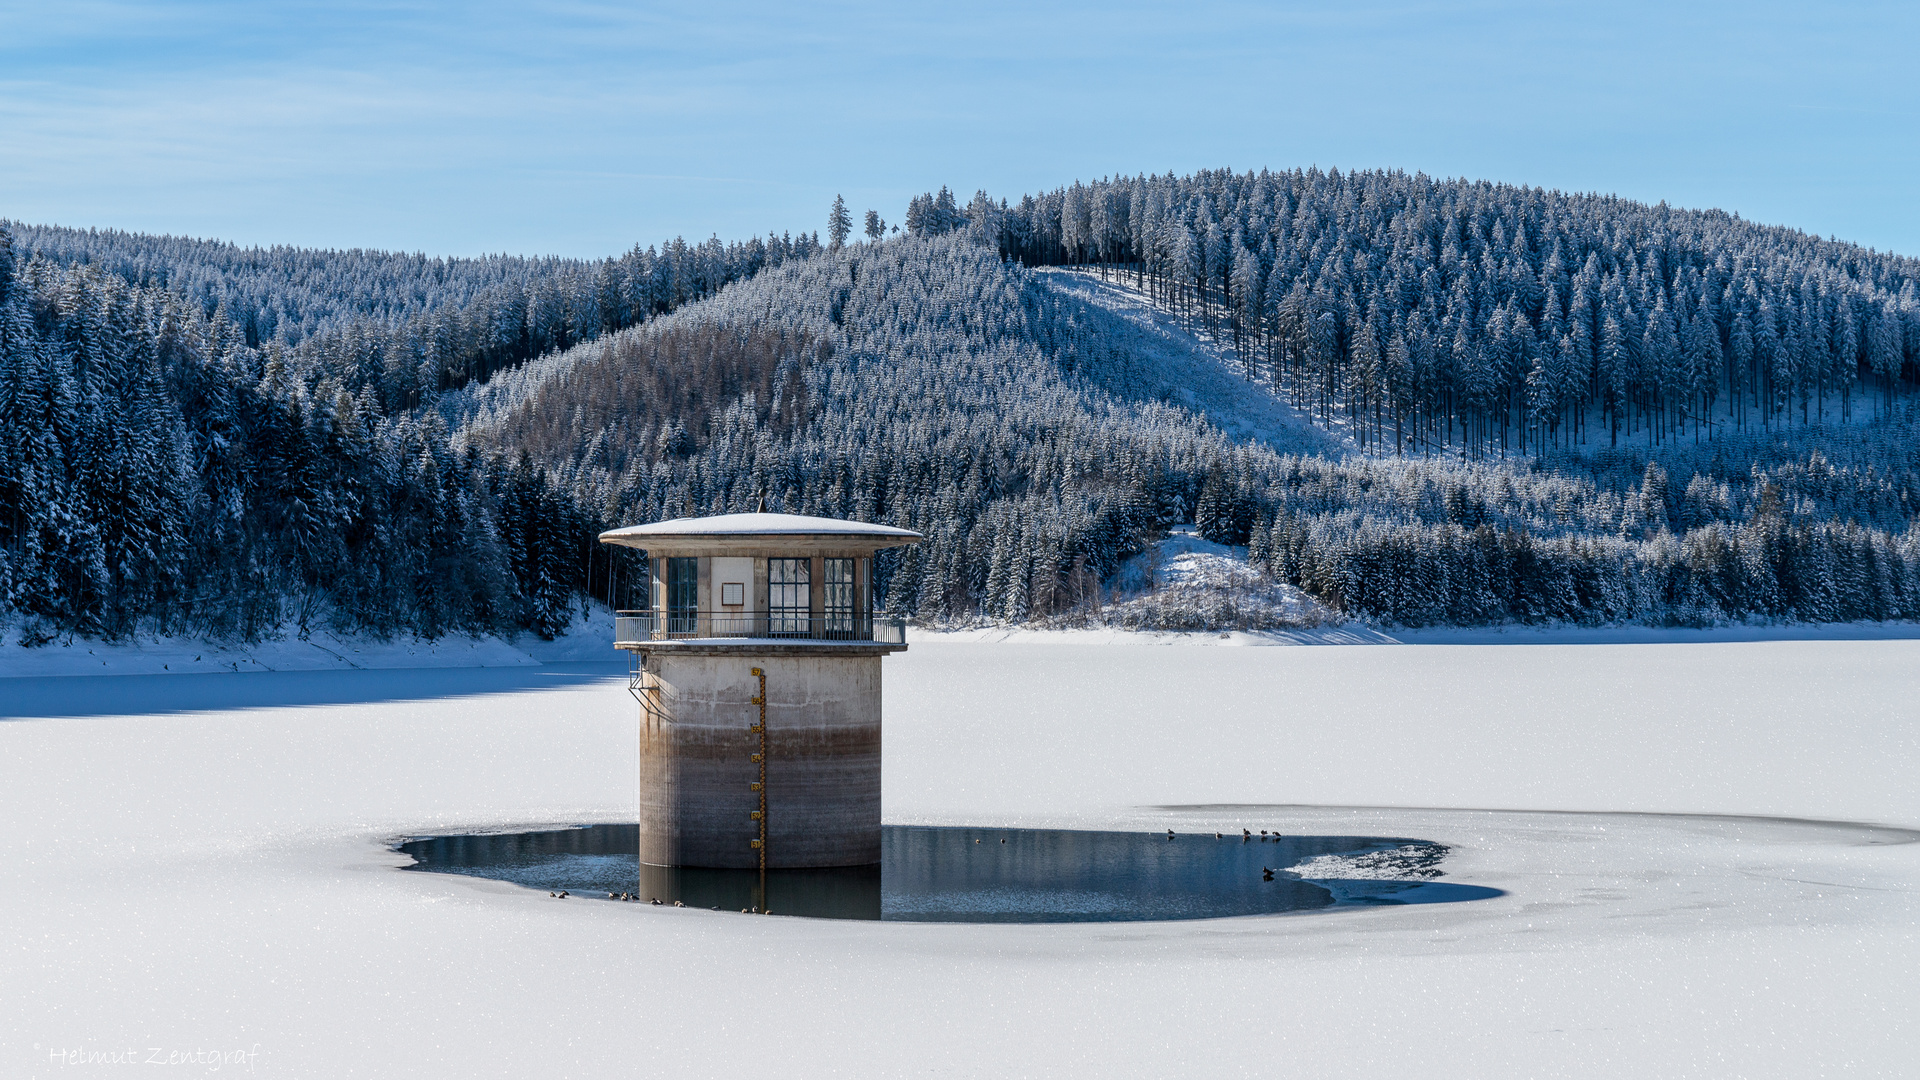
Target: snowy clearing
1185 583
1670 822
1197 373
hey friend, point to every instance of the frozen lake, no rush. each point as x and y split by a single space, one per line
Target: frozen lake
1706 852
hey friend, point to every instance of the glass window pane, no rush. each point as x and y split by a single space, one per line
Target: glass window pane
683 594
837 601
789 605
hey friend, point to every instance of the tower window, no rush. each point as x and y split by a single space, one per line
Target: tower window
683 594
838 600
789 596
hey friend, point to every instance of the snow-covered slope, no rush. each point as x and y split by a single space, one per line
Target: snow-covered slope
1186 582
1196 373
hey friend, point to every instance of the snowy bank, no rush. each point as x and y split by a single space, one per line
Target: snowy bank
590 638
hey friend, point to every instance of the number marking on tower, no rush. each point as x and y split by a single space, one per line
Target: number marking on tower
760 786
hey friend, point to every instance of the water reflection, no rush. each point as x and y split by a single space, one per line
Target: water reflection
950 874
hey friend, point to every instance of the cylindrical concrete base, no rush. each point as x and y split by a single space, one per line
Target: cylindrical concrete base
823 765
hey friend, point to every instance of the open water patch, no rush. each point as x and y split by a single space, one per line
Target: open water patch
959 874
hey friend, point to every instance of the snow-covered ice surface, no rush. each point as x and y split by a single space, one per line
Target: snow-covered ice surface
1707 851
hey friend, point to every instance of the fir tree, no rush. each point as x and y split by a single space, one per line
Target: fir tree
839 224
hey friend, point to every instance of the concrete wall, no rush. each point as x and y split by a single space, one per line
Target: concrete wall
739 570
823 770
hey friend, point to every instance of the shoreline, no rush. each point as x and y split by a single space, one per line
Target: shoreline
590 642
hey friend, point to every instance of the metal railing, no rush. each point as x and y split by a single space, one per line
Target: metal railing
639 627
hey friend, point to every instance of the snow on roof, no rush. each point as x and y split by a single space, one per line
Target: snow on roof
757 525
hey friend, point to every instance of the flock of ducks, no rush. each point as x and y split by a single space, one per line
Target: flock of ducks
627 897
1246 836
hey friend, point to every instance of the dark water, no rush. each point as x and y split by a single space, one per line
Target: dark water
969 875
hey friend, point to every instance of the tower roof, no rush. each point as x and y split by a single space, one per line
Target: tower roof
759 530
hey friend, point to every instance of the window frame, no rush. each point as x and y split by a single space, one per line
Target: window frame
789 597
840 583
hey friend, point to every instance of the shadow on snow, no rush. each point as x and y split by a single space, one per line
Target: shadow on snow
52 696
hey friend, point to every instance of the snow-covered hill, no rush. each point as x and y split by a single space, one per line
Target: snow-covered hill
1040 426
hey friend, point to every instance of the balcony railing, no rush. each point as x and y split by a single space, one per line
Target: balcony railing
640 627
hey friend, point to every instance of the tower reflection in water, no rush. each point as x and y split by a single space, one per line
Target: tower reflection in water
942 874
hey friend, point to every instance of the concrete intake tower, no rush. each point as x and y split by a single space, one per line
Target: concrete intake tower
757 668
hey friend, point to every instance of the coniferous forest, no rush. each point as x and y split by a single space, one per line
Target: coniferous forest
196 438
1511 405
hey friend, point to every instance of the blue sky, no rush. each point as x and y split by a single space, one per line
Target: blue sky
578 129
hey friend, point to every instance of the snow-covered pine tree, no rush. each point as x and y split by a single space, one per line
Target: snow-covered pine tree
839 224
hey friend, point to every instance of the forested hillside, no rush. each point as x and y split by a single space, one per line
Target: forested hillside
1423 315
201 438
408 325
917 381
1420 402
159 474
932 385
